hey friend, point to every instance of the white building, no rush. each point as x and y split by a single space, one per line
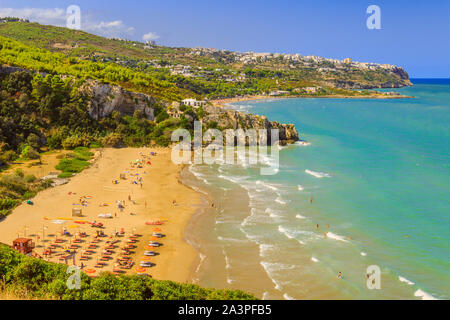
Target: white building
193 103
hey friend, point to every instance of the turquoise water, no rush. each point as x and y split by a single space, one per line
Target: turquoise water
382 197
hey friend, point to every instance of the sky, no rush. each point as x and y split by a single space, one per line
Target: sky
414 34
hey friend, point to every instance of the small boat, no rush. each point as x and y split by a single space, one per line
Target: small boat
150 253
146 264
154 244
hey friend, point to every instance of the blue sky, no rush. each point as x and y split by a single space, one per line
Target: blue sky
414 34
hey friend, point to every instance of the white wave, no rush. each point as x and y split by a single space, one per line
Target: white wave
234 179
273 268
302 143
287 297
273 214
267 185
202 258
299 216
265 296
265 248
253 238
314 259
199 175
269 272
230 281
227 261
280 201
318 174
291 234
424 295
300 188
333 236
363 254
231 239
405 280
199 190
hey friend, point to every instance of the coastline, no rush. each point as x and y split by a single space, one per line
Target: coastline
52 210
264 97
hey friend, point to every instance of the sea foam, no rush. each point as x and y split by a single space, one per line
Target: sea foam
405 280
424 295
318 174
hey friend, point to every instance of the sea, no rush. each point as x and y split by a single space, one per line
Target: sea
361 211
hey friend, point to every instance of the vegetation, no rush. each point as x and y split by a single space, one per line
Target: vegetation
149 69
39 112
74 162
40 279
14 188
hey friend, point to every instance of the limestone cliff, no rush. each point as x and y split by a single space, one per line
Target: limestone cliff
103 99
231 119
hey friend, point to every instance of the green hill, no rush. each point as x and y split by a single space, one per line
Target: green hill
172 73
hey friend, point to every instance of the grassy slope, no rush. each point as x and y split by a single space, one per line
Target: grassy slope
82 44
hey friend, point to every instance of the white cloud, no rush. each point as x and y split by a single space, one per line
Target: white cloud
151 36
58 17
55 16
109 29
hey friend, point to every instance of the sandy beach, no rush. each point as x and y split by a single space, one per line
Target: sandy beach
221 102
51 213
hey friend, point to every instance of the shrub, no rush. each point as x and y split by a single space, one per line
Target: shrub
8 156
75 141
113 140
29 153
163 115
29 178
6 204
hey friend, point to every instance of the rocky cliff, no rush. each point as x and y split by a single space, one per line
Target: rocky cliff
103 99
224 118
396 77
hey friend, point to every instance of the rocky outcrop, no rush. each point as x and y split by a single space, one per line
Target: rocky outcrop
223 118
103 99
394 77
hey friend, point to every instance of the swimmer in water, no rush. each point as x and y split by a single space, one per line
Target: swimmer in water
339 275
311 200
317 226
